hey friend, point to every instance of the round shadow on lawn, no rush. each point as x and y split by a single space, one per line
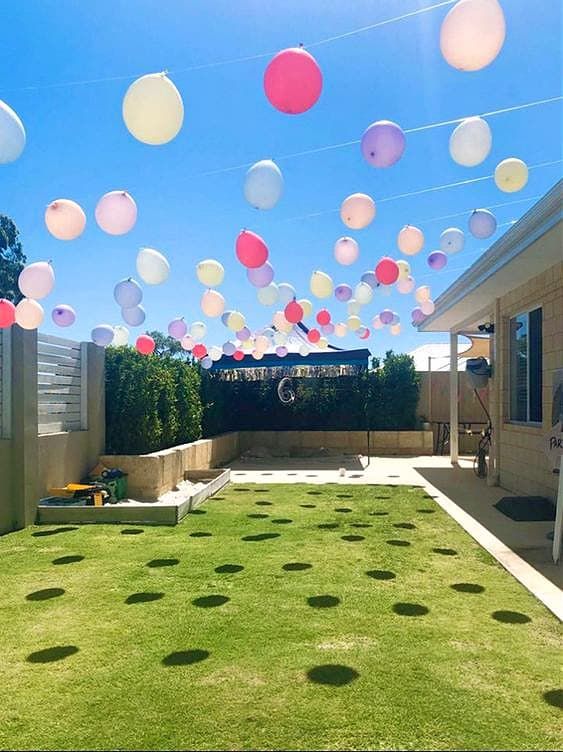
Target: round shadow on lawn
143 597
45 595
510 617
554 697
404 525
381 574
49 655
260 537
467 587
281 521
398 542
218 498
296 566
154 563
328 525
241 489
323 601
131 531
378 514
200 534
261 490
334 675
308 506
352 538
185 657
229 568
426 511
344 496
361 524
257 516
210 601
68 559
410 609
315 493
264 503
445 551
197 511
343 509
53 531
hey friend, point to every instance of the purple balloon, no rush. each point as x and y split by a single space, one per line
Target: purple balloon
370 279
437 260
417 316
133 316
128 293
386 316
243 334
229 348
327 328
482 224
383 143
177 328
63 315
262 276
343 293
281 351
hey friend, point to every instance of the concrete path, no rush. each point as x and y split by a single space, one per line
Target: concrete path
523 548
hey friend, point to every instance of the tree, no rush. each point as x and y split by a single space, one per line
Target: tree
12 259
168 347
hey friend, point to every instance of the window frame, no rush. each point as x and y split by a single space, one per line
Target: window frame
512 421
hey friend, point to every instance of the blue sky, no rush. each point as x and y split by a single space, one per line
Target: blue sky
78 146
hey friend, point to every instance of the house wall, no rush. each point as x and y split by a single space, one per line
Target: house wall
524 466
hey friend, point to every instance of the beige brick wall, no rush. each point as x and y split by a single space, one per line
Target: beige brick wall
524 466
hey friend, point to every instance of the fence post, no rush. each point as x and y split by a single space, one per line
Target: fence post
6 387
84 385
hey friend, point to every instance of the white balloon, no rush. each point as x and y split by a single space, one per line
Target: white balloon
263 184
353 307
268 295
134 316
346 251
152 267
215 353
511 175
187 343
321 285
29 314
471 142
304 350
12 134
286 293
210 272
280 338
198 330
120 335
102 335
472 34
36 280
363 293
307 307
452 240
153 110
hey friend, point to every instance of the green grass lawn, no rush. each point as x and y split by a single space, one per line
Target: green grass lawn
279 617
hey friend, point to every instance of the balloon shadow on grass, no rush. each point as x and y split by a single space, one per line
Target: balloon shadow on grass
45 595
426 511
405 525
410 609
264 503
154 563
554 697
68 559
53 531
197 511
381 574
143 597
257 516
344 510
510 617
323 601
328 526
185 657
229 568
260 537
210 601
467 587
296 566
398 542
131 531
49 655
445 551
200 534
334 675
308 506
352 538
315 493
281 521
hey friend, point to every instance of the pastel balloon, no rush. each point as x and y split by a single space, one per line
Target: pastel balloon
225 317
427 307
405 286
307 307
261 276
370 279
280 338
383 143
422 293
293 81
346 251
263 184
128 293
238 355
210 272
269 294
281 323
65 219
363 332
472 34
212 303
236 321
120 336
323 343
215 353
343 293
177 328
29 314
471 142
511 175
482 224
323 317
7 313
304 350
199 351
63 315
387 271
153 110
395 329
377 323
198 330
353 307
327 328
404 269
396 318
257 354
145 345
386 316
243 334
152 266
340 329
12 134
206 362
321 285
452 240
281 351
251 250
133 316
293 312
116 212
102 335
354 323
286 292
261 343
363 293
357 211
36 280
417 316
437 260
187 343
229 348
410 240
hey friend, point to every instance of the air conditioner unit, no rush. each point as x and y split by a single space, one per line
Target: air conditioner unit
478 372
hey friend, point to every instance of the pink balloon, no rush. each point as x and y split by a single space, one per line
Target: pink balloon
145 344
406 286
323 317
116 212
251 250
293 81
177 328
293 312
387 271
313 335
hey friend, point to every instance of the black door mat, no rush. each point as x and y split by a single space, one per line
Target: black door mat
526 508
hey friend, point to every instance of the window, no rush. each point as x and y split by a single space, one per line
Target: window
526 367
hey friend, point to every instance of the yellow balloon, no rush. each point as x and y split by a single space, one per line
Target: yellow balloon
321 285
210 272
236 321
422 293
354 323
357 211
404 269
307 307
153 110
322 343
511 175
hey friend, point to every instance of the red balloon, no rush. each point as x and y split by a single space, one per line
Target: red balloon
238 355
145 344
293 312
293 81
313 335
387 271
365 334
7 313
323 317
251 250
199 351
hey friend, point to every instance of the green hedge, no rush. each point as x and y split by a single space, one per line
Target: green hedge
152 402
384 398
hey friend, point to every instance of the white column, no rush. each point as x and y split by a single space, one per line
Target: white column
454 442
495 398
430 388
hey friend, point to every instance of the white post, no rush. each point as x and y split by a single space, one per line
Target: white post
83 386
495 398
454 418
